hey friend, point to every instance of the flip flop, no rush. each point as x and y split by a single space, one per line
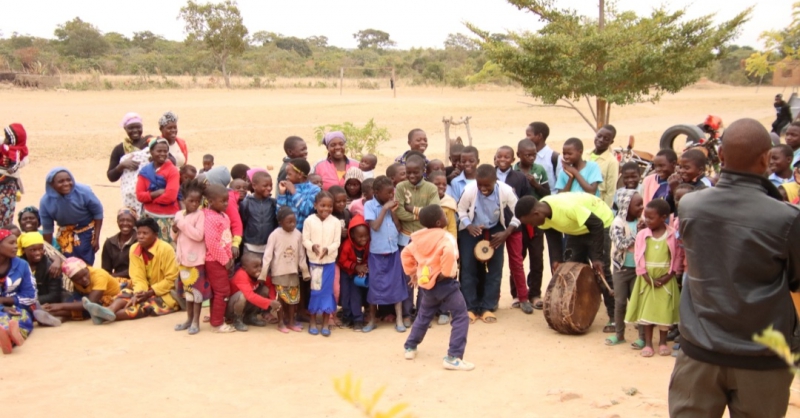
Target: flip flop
44 318
368 327
283 330
664 351
472 317
538 304
296 328
326 332
613 340
647 352
313 331
488 317
182 327
407 322
638 344
193 330
400 328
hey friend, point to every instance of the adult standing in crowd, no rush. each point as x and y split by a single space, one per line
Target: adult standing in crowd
127 158
168 125
333 168
783 114
732 292
157 188
13 156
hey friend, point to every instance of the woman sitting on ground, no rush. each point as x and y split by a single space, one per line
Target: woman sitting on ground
117 249
93 288
17 295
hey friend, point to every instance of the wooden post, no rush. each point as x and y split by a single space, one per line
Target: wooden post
394 85
341 80
446 123
469 134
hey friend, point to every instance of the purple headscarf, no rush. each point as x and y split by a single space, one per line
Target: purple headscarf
330 136
129 118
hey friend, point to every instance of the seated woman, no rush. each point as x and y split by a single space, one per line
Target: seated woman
29 222
117 249
77 211
153 270
17 295
95 290
49 286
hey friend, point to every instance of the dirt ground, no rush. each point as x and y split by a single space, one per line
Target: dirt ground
523 368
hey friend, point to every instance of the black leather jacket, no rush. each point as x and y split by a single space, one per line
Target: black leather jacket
743 253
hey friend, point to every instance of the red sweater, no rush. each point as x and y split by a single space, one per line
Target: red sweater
347 252
233 214
167 203
241 282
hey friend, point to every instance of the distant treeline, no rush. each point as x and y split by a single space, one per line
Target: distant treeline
79 47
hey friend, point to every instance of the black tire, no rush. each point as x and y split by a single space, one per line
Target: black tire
692 133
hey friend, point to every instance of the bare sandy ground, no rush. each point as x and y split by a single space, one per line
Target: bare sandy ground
142 367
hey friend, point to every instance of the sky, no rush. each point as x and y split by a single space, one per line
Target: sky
410 23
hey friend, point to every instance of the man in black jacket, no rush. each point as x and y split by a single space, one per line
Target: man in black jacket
743 253
783 114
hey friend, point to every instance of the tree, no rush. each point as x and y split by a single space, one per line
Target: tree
81 39
360 141
291 43
460 41
319 41
263 38
117 40
145 40
220 27
780 48
629 59
373 39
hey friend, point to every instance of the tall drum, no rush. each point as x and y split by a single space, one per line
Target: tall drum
572 299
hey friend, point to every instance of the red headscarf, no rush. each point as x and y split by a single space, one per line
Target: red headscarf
16 149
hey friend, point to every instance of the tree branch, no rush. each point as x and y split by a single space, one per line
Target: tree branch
569 105
589 102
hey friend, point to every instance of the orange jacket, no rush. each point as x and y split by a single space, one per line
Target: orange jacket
432 253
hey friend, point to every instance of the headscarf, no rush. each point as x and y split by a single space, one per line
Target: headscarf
158 140
28 239
330 136
166 119
31 209
129 118
354 173
128 211
218 175
253 171
16 149
71 266
4 233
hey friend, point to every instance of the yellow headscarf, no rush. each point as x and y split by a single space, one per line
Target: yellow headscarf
27 239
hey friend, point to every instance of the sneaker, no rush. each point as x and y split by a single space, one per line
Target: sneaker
453 363
224 329
358 326
444 319
526 307
411 353
239 325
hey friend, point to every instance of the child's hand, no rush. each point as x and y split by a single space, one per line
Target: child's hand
641 225
474 230
324 253
235 252
674 180
156 193
290 187
362 269
569 169
229 264
532 180
499 238
412 280
390 205
315 250
175 229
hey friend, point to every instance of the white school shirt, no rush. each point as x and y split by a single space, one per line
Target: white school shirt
545 158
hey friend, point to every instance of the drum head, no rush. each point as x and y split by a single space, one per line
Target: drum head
484 251
572 299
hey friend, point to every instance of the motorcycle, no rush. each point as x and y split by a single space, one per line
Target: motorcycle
625 155
706 137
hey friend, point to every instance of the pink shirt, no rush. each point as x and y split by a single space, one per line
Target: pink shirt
330 177
191 245
218 236
357 207
675 252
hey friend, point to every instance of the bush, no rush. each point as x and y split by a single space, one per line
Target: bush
360 141
368 85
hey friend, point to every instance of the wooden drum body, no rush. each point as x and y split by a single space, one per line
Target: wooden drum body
572 299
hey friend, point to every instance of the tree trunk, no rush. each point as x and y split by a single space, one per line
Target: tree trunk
602 107
225 74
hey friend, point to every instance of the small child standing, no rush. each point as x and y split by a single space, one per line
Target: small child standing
629 172
353 263
241 187
322 236
655 297
656 185
780 164
609 166
352 184
357 206
448 204
258 214
294 147
367 165
431 259
691 169
578 175
623 235
469 163
208 163
219 258
340 208
189 235
386 285
284 256
454 170
296 192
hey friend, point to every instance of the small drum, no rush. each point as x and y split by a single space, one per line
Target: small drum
572 299
484 251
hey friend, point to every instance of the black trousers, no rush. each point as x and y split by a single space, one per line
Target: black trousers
577 250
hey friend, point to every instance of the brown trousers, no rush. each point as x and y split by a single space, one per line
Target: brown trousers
704 390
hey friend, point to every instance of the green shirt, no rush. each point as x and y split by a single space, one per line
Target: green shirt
537 171
423 194
571 210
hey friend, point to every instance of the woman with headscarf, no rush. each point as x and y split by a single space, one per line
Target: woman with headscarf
13 156
78 212
95 290
157 188
220 175
333 168
168 124
127 158
116 249
17 295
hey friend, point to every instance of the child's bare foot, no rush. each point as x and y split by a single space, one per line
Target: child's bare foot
296 327
14 333
5 341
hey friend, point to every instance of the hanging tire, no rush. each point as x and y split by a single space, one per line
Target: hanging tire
691 132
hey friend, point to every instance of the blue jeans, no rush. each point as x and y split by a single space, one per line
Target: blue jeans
480 282
443 297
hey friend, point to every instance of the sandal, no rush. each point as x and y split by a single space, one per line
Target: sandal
407 322
638 344
609 328
647 352
313 331
326 332
488 317
613 340
538 303
283 330
472 317
296 327
664 351
193 330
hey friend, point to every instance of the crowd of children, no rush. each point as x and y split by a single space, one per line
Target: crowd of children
395 248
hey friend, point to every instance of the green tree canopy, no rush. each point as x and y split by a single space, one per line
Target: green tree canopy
220 27
373 39
780 47
81 39
291 43
632 59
